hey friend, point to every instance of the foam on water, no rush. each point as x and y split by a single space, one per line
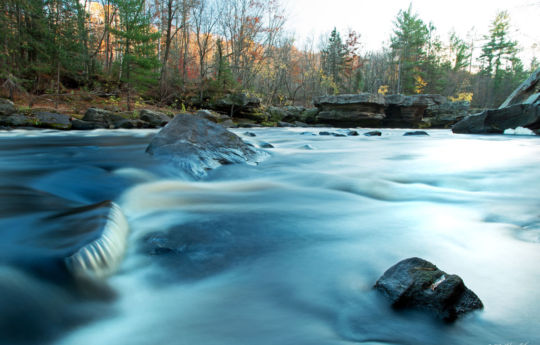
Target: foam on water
102 256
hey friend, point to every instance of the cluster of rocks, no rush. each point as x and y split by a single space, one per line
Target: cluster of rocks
521 109
92 119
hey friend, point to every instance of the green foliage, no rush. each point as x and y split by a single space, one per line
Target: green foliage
408 43
139 62
223 77
333 60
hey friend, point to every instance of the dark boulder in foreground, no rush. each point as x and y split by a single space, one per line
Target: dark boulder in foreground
197 145
521 109
419 284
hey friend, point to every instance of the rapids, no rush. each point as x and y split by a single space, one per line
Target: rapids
285 252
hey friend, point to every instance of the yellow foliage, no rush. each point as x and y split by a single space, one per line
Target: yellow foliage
383 89
462 96
420 84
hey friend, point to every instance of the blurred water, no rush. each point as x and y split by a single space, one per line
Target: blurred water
285 252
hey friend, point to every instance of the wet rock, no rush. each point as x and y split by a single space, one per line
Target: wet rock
373 134
284 124
154 118
415 133
352 133
325 133
17 120
102 118
250 134
419 284
83 125
266 145
229 124
197 145
360 110
521 109
53 120
496 121
213 116
300 124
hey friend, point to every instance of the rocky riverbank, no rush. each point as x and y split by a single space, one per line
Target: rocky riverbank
241 110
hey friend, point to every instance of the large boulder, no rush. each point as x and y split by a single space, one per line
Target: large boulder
6 107
197 145
496 121
52 120
154 118
521 109
358 110
102 118
17 120
241 105
527 93
419 284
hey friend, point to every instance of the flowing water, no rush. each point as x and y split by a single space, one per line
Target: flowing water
285 252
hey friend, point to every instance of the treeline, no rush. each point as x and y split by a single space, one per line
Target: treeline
177 52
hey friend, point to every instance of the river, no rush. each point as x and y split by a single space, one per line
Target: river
285 252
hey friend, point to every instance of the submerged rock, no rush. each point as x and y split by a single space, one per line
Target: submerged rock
417 283
413 133
197 145
373 134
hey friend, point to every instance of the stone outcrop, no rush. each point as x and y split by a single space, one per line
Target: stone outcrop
527 93
521 109
103 118
240 105
363 110
419 284
154 118
445 115
408 111
196 145
394 111
52 120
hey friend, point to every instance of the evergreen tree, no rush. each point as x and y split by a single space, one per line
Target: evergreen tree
408 45
139 61
498 59
334 59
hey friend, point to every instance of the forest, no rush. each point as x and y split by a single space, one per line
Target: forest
185 53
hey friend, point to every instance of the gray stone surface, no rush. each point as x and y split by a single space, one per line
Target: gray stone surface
419 284
154 118
196 145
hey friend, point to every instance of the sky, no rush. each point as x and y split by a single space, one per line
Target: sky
373 20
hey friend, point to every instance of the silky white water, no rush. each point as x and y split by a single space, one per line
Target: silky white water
287 252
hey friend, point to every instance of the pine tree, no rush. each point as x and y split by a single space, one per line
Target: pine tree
498 59
139 61
408 44
334 59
